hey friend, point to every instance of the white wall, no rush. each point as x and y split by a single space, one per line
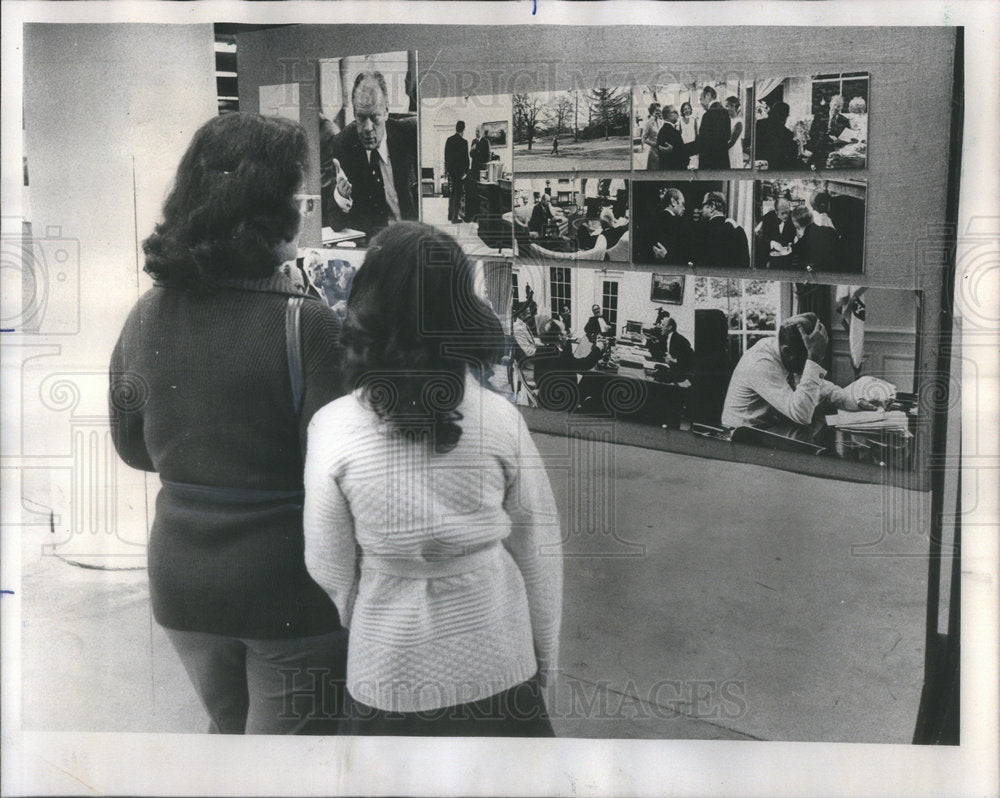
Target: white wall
98 100
108 111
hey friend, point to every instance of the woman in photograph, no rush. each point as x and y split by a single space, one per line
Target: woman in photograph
649 131
736 133
203 393
429 519
689 132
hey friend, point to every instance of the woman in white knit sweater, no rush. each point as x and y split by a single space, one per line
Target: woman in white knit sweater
429 518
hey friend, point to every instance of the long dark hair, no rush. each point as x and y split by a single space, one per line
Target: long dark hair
414 326
232 202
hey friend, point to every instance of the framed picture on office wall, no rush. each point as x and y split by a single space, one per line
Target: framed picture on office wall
667 288
497 133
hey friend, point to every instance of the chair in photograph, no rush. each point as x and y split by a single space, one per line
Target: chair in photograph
632 331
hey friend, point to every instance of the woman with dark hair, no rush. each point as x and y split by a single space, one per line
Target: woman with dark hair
213 383
433 481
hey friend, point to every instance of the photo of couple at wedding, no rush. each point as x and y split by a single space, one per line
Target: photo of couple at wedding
691 126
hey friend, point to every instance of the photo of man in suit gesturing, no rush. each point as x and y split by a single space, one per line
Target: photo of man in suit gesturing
370 167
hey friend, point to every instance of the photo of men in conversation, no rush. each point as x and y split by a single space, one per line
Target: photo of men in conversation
693 223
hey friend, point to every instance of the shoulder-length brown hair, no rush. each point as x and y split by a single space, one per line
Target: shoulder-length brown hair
232 202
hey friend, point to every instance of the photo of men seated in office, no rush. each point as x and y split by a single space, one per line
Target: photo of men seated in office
816 122
368 145
819 369
572 219
465 157
693 223
682 126
567 131
810 225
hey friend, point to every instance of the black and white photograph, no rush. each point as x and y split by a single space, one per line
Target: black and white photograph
331 411
466 174
578 130
368 144
326 274
813 369
810 224
692 126
812 122
569 218
693 222
667 288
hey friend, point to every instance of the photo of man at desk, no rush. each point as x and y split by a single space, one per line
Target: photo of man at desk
779 384
673 349
804 367
369 167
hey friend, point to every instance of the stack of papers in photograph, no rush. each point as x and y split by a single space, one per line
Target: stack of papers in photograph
869 421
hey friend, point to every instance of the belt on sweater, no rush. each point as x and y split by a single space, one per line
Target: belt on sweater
429 569
223 495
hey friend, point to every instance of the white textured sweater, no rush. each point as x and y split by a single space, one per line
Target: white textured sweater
459 591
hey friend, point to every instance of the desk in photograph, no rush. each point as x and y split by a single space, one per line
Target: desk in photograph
635 386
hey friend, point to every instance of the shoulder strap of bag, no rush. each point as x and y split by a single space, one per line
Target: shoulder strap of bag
293 343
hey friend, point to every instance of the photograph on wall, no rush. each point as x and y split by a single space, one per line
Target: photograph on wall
465 181
368 144
667 288
810 224
326 274
693 222
563 131
820 369
681 126
812 122
571 218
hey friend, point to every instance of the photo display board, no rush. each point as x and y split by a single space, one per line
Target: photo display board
751 173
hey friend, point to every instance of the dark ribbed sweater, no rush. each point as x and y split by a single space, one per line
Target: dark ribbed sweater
201 394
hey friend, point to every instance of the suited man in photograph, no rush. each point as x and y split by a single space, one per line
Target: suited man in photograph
370 167
776 231
713 133
673 350
596 325
775 142
816 247
670 145
825 131
543 225
719 240
456 164
672 237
